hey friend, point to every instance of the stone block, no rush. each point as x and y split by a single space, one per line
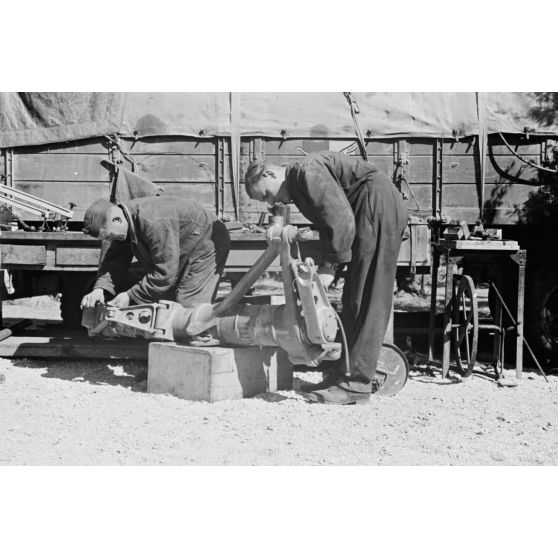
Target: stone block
216 373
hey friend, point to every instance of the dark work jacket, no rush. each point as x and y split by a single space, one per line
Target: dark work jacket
163 234
326 188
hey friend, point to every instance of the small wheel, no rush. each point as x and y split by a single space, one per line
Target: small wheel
392 370
465 326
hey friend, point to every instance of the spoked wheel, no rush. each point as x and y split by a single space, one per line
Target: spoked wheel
465 325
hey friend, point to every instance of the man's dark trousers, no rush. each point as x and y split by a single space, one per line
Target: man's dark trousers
380 220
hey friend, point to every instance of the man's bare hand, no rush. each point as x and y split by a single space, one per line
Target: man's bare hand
90 300
120 300
326 275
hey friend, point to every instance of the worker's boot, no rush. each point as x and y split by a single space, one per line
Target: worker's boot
346 391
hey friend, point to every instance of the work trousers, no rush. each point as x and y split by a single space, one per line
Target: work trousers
381 219
198 280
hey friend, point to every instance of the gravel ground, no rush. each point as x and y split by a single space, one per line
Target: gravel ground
98 413
94 413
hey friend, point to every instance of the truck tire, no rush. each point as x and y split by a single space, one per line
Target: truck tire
541 313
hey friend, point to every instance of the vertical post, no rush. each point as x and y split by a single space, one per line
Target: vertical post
521 260
9 164
483 147
9 174
235 151
401 161
438 180
220 177
433 295
450 262
497 355
258 149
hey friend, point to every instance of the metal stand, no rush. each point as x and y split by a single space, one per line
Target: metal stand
483 253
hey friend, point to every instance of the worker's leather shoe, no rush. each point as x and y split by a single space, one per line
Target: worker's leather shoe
344 392
328 381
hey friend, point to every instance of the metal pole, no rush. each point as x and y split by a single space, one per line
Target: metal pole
450 262
516 325
433 294
248 279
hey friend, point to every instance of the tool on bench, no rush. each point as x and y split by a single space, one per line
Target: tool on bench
305 327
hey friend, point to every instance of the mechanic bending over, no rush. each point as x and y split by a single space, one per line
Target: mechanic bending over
361 218
180 247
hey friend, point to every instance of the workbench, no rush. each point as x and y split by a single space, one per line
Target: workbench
477 253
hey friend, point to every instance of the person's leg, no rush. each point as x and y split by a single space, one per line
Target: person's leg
368 293
374 266
201 276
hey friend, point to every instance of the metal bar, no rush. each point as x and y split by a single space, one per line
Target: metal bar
520 307
9 163
403 159
433 295
482 147
447 315
235 151
510 315
39 202
259 148
543 155
240 289
437 186
21 205
218 177
498 341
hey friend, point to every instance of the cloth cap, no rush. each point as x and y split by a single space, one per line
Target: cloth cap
95 217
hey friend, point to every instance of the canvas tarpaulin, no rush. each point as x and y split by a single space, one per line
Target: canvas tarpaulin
41 118
38 118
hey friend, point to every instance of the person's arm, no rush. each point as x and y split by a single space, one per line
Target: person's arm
115 263
163 240
334 216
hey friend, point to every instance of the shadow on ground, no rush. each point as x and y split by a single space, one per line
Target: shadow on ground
125 373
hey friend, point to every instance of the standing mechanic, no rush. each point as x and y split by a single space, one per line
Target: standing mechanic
180 247
361 218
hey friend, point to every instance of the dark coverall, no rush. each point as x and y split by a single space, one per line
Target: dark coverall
180 247
361 218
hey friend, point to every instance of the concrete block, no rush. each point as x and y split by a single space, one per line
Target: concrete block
216 373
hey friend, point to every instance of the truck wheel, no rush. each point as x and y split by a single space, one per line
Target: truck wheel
541 313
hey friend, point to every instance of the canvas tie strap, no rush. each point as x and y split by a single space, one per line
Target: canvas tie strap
235 150
483 146
354 112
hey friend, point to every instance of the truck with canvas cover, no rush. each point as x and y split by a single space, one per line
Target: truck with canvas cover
485 158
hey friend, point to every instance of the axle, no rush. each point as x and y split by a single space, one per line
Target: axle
305 326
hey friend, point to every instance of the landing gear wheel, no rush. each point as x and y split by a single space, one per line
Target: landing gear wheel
465 326
392 370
